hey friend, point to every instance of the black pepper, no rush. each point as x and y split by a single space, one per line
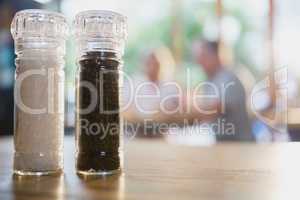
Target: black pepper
98 131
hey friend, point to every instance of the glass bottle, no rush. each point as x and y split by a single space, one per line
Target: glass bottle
39 38
100 38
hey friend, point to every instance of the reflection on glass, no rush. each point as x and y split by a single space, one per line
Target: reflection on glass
110 187
51 187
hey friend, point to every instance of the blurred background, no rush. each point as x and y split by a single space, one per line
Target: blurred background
256 39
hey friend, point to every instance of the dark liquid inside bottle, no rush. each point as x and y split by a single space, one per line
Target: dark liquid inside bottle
98 127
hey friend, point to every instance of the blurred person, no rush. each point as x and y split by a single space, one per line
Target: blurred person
143 93
219 103
231 99
222 92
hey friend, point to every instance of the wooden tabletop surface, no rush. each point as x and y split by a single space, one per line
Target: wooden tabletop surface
157 170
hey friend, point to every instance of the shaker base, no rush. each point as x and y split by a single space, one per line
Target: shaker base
35 173
92 172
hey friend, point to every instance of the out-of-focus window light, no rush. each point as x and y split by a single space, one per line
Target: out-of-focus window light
43 1
254 42
231 29
210 28
287 41
250 8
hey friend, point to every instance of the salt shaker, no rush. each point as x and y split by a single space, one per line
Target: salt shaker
39 38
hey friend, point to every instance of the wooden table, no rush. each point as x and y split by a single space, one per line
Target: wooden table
156 170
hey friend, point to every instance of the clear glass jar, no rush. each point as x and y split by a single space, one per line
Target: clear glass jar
39 37
100 38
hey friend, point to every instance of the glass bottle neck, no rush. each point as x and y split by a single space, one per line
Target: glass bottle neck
85 45
40 48
101 54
